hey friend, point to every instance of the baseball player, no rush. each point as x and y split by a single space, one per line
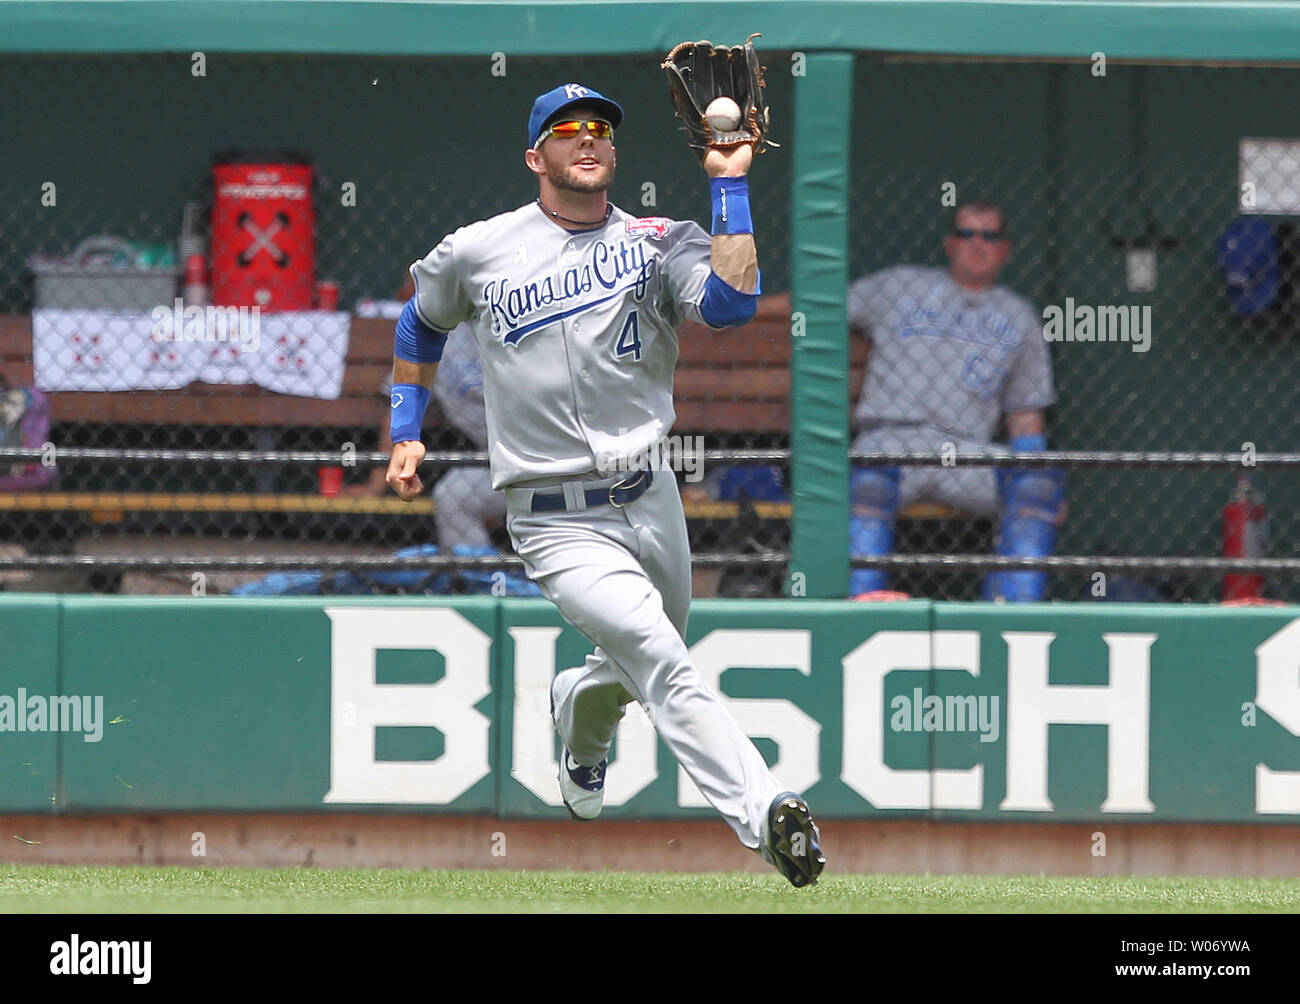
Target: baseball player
575 305
951 353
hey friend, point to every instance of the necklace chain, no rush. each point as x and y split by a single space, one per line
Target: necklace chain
609 208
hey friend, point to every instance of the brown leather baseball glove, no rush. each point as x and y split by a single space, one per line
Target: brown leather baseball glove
699 72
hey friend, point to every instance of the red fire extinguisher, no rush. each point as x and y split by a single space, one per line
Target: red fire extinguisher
1244 529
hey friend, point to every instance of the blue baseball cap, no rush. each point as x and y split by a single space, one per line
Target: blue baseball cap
1248 252
549 105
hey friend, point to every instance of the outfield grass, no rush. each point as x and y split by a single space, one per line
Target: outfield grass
30 889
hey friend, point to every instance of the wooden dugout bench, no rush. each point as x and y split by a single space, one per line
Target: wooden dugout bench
735 381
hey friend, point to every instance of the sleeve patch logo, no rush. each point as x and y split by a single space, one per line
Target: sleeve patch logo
648 226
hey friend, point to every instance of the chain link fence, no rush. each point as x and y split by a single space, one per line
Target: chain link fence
1149 216
1160 197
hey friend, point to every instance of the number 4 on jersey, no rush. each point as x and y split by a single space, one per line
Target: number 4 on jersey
629 339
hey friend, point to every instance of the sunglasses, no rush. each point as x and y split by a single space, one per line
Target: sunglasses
966 233
568 128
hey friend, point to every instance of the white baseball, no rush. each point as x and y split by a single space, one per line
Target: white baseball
723 114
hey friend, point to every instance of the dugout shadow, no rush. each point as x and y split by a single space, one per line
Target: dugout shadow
959 534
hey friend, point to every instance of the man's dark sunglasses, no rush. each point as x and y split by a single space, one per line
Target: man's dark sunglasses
966 233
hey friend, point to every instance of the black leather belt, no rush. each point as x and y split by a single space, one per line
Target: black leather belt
618 495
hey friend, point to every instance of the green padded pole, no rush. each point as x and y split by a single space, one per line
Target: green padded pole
819 359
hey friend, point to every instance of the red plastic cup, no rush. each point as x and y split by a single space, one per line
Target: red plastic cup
327 295
196 270
331 480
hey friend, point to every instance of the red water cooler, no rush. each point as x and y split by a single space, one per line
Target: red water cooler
263 236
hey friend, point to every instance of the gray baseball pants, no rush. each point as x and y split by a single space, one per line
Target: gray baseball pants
622 576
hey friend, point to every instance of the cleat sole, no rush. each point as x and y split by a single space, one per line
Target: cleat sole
790 817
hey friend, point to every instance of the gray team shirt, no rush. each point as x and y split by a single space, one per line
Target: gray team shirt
458 385
945 356
577 332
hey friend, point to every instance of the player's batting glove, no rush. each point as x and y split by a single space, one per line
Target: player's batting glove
701 72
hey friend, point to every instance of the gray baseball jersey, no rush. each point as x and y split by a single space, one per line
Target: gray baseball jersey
586 322
945 356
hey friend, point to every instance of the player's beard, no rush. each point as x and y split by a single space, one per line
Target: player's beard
567 178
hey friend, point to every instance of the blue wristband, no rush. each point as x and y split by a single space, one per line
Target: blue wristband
409 402
730 206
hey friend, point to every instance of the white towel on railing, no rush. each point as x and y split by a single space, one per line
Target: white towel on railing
302 353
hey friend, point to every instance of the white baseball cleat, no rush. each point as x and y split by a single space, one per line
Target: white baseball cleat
581 787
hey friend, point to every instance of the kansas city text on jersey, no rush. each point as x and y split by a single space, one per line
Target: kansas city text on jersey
983 327
609 267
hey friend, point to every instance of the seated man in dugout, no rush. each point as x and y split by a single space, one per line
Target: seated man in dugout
953 354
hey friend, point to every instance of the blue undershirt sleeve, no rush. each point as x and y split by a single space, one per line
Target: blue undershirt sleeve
415 341
721 306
